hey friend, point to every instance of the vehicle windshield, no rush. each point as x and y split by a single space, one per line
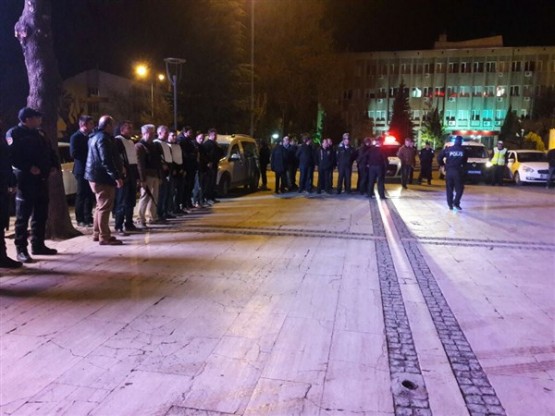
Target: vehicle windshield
224 147
531 157
476 151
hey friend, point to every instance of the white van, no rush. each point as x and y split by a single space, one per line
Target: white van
240 165
477 167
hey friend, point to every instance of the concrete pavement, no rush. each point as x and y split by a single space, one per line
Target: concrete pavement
295 305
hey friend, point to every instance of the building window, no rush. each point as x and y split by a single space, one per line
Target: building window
449 115
516 67
526 91
500 91
465 67
529 66
393 92
524 113
539 66
427 92
475 115
499 115
487 115
93 108
347 94
382 93
405 68
439 67
439 91
416 92
464 92
491 67
515 91
489 91
370 115
428 68
453 67
451 91
380 115
462 115
477 91
478 67
416 115
392 69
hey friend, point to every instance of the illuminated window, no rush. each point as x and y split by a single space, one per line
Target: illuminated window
475 115
489 91
523 113
449 115
416 92
464 91
427 92
439 91
451 91
487 114
462 114
500 91
371 115
416 115
500 114
477 91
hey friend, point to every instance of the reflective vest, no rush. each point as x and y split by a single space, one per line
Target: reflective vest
498 157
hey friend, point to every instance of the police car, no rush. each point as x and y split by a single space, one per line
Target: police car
390 147
477 167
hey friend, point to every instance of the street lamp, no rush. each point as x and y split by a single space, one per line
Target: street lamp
173 71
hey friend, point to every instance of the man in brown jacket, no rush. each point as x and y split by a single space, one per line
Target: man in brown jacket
407 154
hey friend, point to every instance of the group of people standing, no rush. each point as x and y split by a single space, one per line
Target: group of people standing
174 174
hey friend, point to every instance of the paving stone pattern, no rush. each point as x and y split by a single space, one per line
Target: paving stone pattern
477 391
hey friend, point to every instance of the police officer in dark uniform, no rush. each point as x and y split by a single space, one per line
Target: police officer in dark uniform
33 160
376 161
7 187
454 159
346 155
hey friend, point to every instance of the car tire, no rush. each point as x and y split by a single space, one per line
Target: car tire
225 183
517 179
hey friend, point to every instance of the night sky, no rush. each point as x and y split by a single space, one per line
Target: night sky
112 34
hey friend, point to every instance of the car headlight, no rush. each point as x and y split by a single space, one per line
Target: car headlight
527 169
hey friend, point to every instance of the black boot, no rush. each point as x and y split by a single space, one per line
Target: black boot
42 249
7 263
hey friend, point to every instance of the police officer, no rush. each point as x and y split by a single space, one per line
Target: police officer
7 188
498 162
33 160
454 159
346 155
376 161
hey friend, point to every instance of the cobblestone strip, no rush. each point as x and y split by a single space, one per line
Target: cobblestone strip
280 232
408 389
478 393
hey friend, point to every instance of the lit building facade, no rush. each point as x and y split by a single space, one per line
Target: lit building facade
473 83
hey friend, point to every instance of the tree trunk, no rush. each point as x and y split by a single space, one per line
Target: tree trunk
34 33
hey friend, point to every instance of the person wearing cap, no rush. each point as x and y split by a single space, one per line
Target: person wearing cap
426 157
498 163
34 160
346 155
454 159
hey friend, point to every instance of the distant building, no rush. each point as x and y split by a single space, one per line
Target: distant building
472 82
96 92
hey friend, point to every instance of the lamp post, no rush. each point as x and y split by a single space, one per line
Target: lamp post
143 72
173 70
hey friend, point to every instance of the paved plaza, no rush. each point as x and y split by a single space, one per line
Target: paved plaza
295 305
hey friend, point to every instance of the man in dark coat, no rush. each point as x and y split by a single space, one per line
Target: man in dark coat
7 188
325 159
376 161
34 160
264 158
426 159
104 172
346 155
190 153
278 166
212 153
79 148
306 157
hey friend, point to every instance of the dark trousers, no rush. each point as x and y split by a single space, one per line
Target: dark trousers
376 174
281 181
324 179
305 183
31 202
162 209
126 199
209 184
291 176
188 186
425 172
263 176
177 191
498 173
345 173
362 183
454 183
84 200
406 175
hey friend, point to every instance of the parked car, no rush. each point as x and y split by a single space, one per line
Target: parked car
240 165
70 184
390 147
527 166
477 167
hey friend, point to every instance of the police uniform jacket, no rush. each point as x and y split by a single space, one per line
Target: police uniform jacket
7 180
346 156
454 158
79 149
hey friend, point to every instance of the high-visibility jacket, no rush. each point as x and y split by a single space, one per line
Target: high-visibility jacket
499 157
